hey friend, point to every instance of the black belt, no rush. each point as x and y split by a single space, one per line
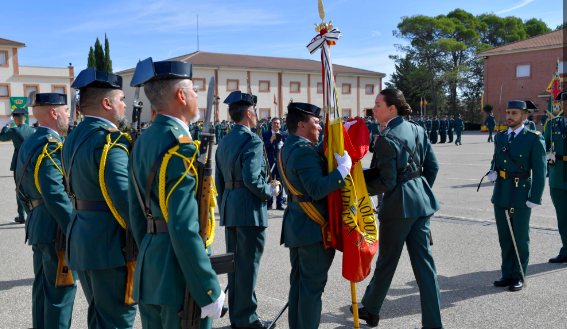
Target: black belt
303 198
35 203
89 205
511 175
559 157
157 226
234 185
404 177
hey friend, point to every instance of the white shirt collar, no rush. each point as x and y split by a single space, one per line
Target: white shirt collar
56 133
517 131
391 120
273 132
183 124
103 119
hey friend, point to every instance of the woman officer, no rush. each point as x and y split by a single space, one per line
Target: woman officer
406 168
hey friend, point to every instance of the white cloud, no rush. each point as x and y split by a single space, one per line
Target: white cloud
376 33
515 7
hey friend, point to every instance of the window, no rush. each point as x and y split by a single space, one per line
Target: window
346 88
4 90
3 58
294 87
264 86
200 83
202 114
29 88
62 89
369 89
561 68
232 85
346 113
319 87
523 71
265 113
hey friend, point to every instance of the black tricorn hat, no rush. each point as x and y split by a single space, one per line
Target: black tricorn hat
19 111
517 105
240 97
35 99
305 108
97 79
531 107
561 96
148 70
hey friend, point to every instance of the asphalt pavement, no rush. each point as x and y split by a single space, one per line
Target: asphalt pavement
466 253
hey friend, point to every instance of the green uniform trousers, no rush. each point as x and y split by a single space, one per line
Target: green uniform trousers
52 307
458 140
559 198
309 267
247 244
443 134
104 291
450 133
521 226
434 136
165 317
21 213
416 234
490 130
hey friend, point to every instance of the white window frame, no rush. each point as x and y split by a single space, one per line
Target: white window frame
522 74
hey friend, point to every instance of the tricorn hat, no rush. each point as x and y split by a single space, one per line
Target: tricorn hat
19 111
35 99
97 79
305 108
241 98
561 96
148 70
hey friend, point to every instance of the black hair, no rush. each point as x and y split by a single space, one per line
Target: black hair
237 111
396 97
293 119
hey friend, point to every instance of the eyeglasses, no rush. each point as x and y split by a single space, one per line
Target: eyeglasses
195 88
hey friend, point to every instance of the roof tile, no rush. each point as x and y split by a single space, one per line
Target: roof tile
554 38
10 42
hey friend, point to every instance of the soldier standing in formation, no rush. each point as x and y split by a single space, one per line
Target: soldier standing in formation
518 168
443 129
240 178
555 138
166 226
450 128
40 183
544 119
428 127
95 159
529 123
434 130
490 123
17 135
458 126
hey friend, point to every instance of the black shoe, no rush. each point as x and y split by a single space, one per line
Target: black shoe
431 327
259 324
270 207
558 259
280 208
504 282
20 220
516 285
371 319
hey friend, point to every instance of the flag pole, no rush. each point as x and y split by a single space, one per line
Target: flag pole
354 305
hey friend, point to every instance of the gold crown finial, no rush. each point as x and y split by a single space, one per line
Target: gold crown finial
321 11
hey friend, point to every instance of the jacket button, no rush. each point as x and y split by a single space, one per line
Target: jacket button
504 161
340 181
524 185
209 292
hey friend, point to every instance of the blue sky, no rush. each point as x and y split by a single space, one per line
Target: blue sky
56 35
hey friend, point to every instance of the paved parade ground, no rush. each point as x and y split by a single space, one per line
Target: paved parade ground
466 253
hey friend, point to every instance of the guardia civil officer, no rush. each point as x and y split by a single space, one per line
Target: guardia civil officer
95 160
40 186
434 137
443 124
303 167
459 127
240 179
407 170
529 123
428 127
172 254
450 128
17 135
490 123
556 144
544 119
518 169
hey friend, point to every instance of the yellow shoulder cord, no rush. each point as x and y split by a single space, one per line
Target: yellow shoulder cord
109 144
212 221
43 155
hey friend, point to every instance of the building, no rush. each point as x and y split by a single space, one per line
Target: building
18 81
523 70
273 80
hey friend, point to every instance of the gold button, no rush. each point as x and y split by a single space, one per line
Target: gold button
104 124
504 161
182 136
340 181
520 155
524 185
175 128
209 292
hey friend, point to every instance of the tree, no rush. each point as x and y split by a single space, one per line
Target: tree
99 56
408 78
561 26
107 60
535 27
91 62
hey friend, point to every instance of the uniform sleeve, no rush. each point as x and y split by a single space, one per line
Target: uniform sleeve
539 167
252 160
318 185
430 164
547 136
53 190
219 180
136 219
492 165
386 156
183 225
116 176
6 134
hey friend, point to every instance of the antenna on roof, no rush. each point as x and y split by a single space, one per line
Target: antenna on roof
197 32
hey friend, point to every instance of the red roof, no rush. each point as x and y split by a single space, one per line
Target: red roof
200 58
549 40
11 43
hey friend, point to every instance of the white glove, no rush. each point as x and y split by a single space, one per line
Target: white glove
274 190
550 155
453 129
213 310
531 204
492 176
344 162
349 124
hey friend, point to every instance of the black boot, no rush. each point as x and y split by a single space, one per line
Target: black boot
371 319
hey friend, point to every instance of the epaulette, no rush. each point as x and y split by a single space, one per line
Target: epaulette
182 139
51 140
533 131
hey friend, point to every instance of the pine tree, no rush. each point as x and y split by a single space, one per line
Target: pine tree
99 56
107 60
91 62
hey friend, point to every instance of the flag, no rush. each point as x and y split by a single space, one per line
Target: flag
426 103
275 102
421 103
555 87
351 216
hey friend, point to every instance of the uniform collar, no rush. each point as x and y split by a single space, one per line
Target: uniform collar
50 130
517 131
103 119
238 125
181 123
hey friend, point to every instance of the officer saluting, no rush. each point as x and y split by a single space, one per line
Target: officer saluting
556 142
303 167
240 178
95 158
17 135
518 169
40 183
163 208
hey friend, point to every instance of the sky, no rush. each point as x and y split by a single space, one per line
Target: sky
56 35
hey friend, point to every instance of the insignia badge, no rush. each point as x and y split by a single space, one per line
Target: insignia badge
52 140
113 129
184 139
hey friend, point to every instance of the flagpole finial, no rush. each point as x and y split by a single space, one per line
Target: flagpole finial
321 11
323 25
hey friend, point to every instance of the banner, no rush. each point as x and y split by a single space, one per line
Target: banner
555 88
19 103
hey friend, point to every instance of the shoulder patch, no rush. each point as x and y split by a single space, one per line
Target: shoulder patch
113 129
51 140
184 139
537 132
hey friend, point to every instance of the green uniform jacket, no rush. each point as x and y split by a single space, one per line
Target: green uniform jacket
306 170
242 206
197 134
434 125
95 239
443 125
17 135
555 135
544 119
451 124
169 261
428 125
490 122
42 222
530 125
529 151
374 129
458 124
413 198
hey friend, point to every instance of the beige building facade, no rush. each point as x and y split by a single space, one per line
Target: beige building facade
271 78
18 80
